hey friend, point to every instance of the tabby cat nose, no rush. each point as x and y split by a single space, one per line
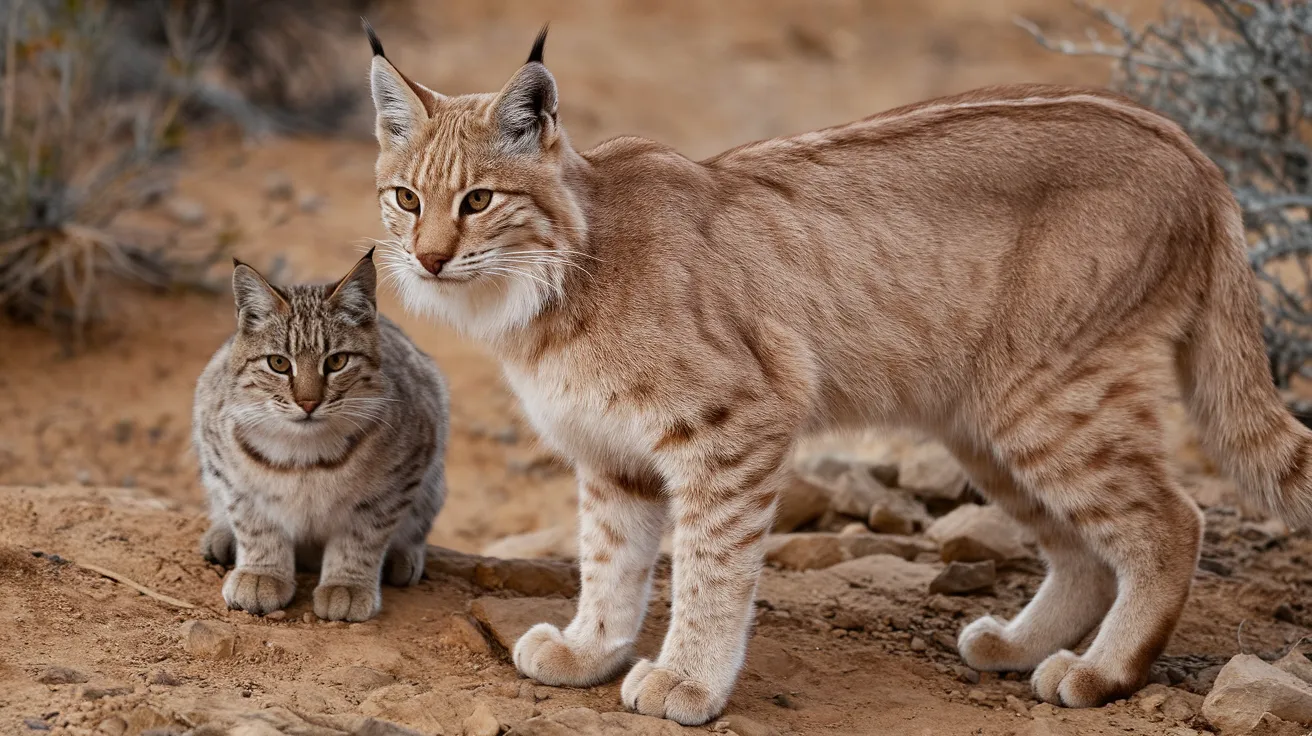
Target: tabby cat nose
308 406
432 262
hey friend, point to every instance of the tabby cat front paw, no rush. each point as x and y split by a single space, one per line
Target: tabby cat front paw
656 691
218 545
257 593
404 567
346 602
544 654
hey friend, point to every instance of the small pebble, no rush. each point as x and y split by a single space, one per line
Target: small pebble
918 645
276 615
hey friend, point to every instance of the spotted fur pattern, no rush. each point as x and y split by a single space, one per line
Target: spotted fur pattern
321 432
1023 272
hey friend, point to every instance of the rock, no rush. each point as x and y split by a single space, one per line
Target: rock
185 211
928 470
55 675
1181 705
442 710
818 550
96 692
1296 664
163 677
277 186
801 503
965 674
1017 706
528 577
588 722
895 513
461 631
974 533
506 619
744 726
112 726
482 722
918 644
1248 688
965 577
310 203
359 678
558 542
885 573
852 494
208 640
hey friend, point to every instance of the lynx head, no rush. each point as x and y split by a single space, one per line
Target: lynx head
305 358
473 190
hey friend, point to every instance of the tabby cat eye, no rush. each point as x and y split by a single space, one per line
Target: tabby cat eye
476 201
407 200
335 362
280 364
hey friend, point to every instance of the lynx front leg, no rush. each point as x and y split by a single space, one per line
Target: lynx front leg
264 579
621 521
722 514
349 582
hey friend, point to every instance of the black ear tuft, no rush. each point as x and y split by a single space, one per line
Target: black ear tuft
370 255
374 43
538 43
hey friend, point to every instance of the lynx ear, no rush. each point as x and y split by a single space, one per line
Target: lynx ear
355 296
402 106
256 298
525 111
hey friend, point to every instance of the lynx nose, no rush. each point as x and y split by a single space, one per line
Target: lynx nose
308 406
432 262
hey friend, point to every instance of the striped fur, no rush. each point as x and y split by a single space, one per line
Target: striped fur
338 468
1025 272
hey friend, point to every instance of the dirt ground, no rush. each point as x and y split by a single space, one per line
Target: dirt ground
96 467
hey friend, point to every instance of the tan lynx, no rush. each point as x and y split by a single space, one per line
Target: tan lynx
1022 271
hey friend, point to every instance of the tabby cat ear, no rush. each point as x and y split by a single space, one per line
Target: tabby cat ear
355 297
403 106
257 300
525 110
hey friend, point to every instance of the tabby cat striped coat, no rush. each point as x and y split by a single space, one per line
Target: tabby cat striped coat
321 431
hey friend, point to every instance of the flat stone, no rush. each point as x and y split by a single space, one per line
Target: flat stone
55 675
744 726
528 577
462 631
359 678
506 619
894 512
965 577
928 470
1247 688
819 550
975 533
800 503
208 639
482 722
588 722
886 573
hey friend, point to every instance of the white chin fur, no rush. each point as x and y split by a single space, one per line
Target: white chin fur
484 307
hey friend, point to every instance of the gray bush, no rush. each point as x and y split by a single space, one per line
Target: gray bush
1237 75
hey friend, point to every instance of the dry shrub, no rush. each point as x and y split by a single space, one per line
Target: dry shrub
95 96
1237 75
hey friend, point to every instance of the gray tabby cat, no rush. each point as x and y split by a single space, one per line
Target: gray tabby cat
321 432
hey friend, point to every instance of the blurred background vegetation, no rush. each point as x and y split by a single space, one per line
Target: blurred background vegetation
97 95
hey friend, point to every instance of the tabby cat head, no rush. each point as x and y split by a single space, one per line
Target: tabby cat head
473 190
307 356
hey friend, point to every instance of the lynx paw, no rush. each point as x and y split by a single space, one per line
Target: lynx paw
984 646
346 602
218 545
257 593
1067 679
543 654
664 693
404 566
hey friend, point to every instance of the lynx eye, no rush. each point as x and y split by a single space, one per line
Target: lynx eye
476 201
280 364
335 362
407 200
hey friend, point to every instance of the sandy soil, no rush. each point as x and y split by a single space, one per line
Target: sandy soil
96 465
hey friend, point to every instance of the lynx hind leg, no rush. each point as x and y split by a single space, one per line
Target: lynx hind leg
1094 455
1075 595
408 550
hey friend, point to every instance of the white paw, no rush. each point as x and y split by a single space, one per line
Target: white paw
544 654
656 691
1068 679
